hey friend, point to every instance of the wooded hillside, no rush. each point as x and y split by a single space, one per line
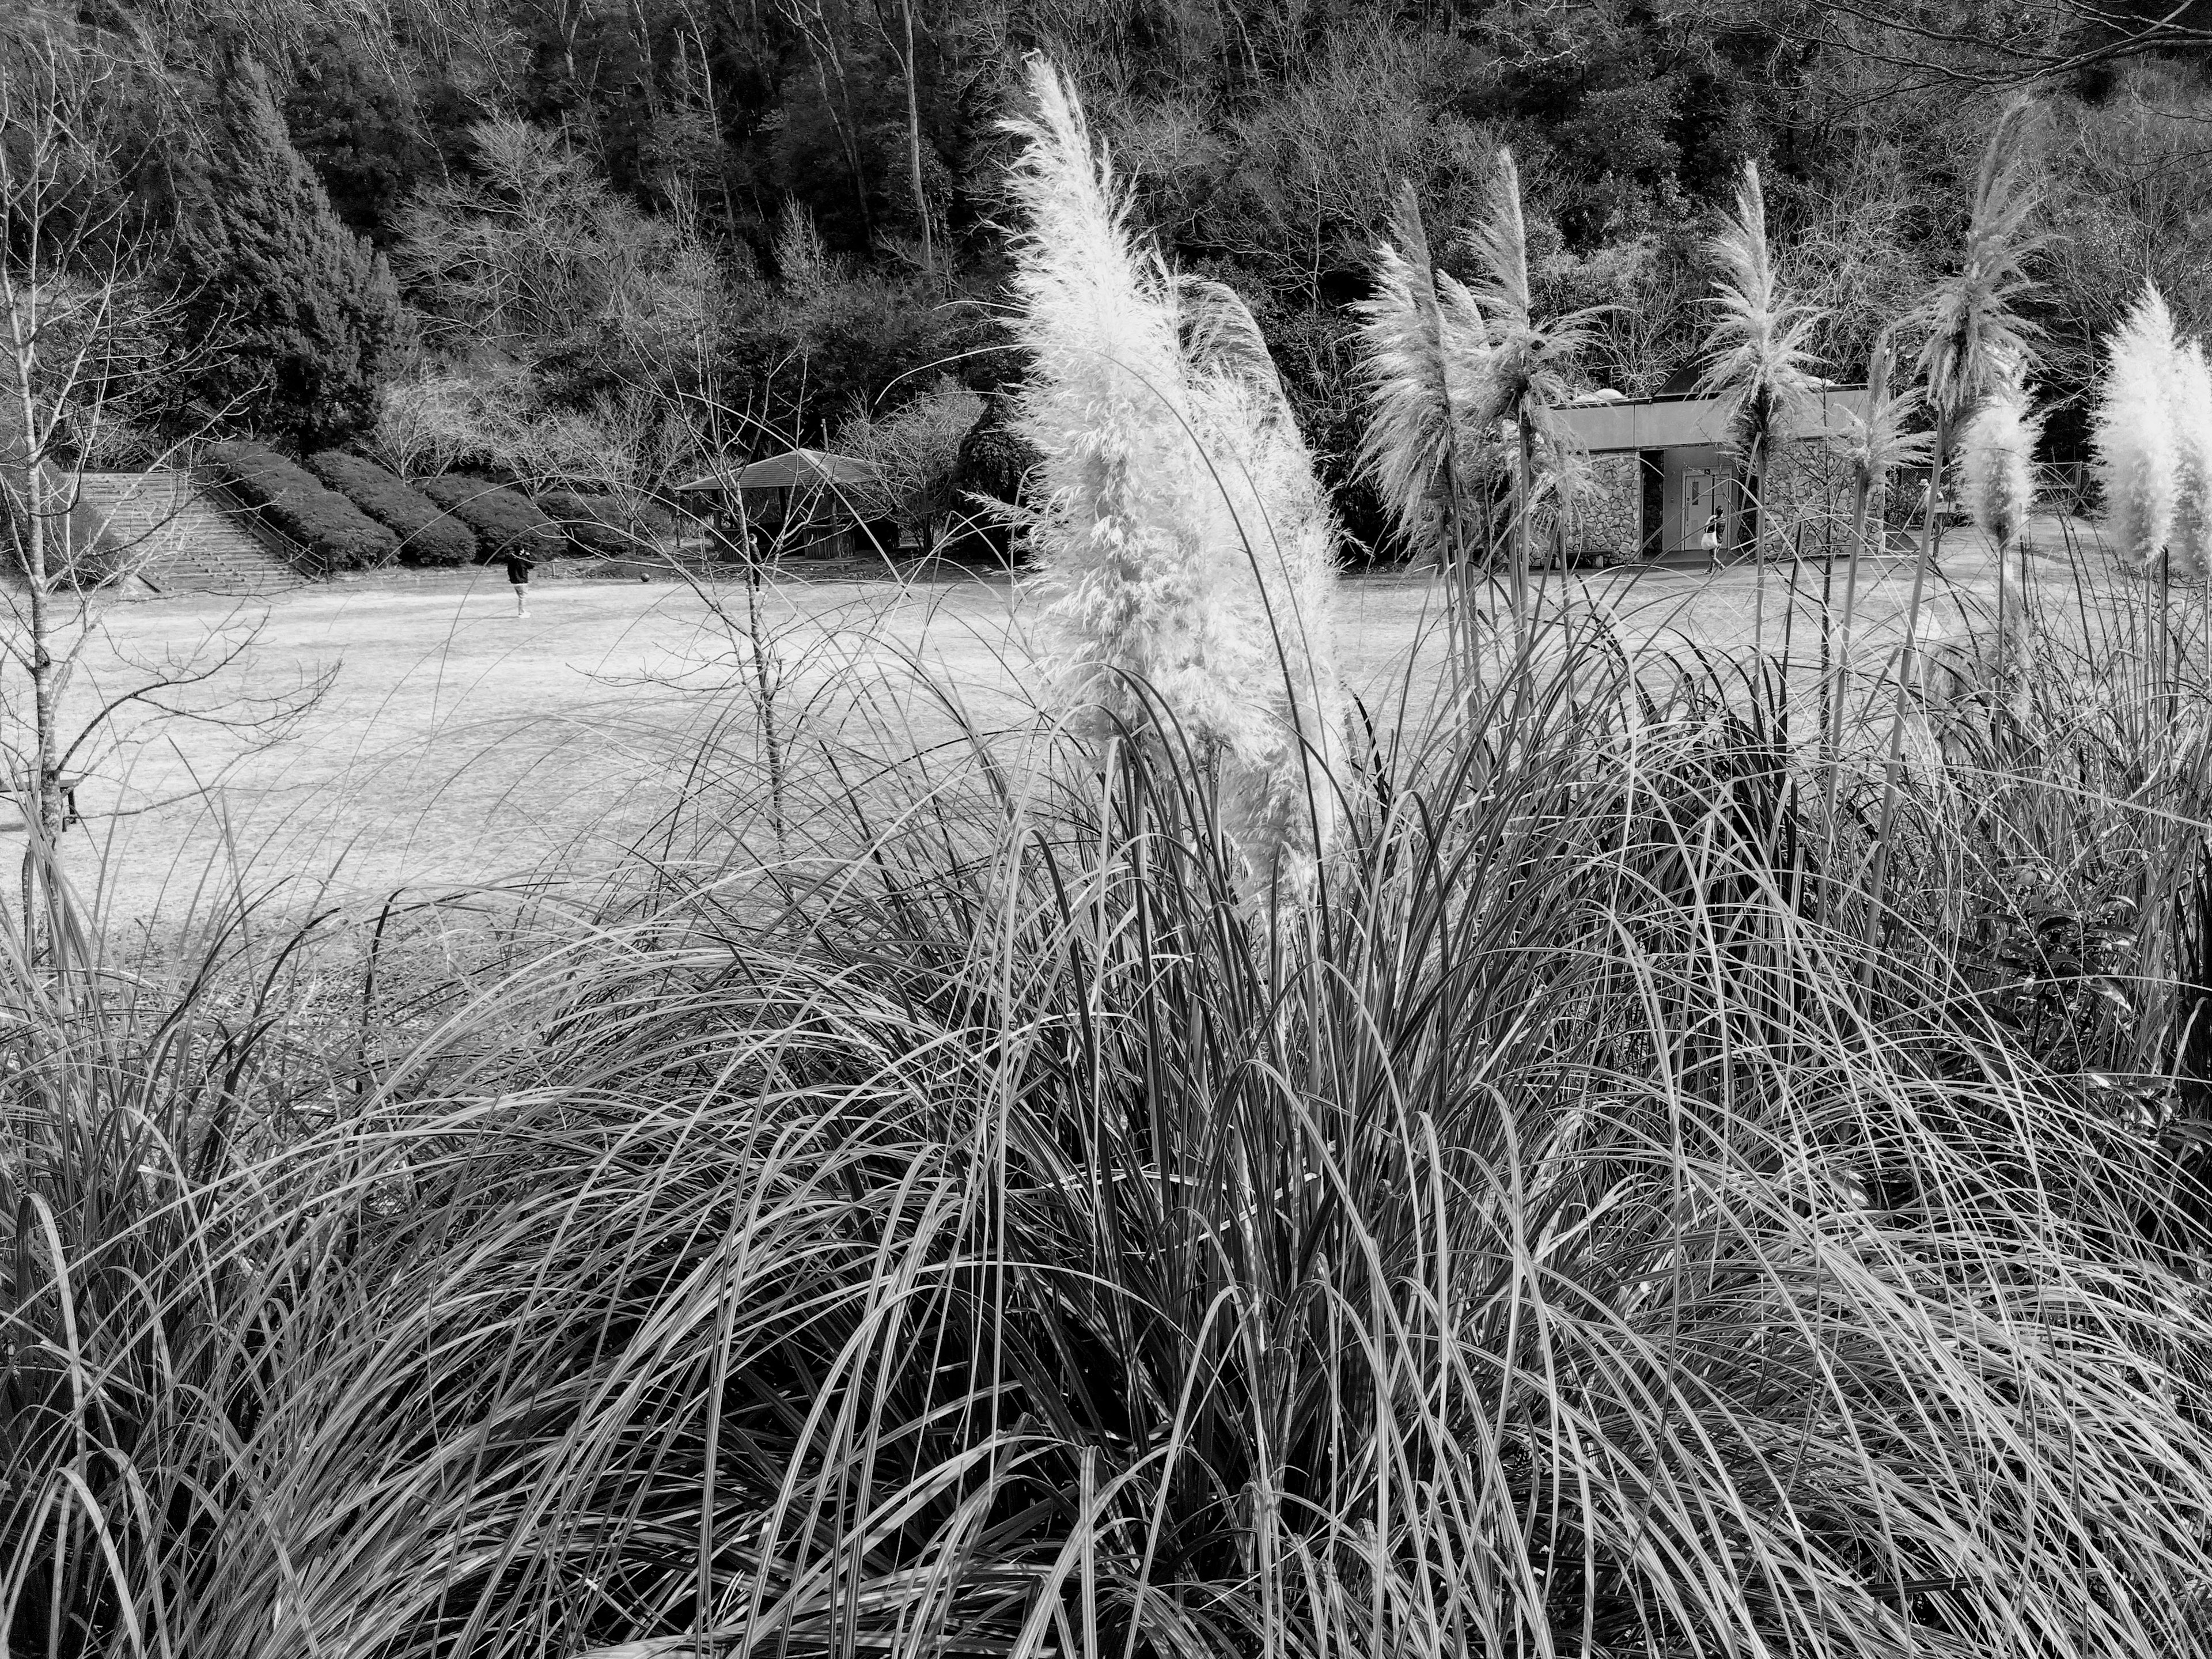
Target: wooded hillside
579 238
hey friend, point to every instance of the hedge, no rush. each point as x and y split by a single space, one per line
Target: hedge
501 518
428 533
589 523
292 498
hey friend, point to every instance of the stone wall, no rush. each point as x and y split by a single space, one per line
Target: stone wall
1807 493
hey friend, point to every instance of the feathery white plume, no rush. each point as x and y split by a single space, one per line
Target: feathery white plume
1523 379
1759 368
1520 377
1995 457
2191 392
1423 345
1277 642
1186 547
1973 332
1876 445
2134 434
1109 415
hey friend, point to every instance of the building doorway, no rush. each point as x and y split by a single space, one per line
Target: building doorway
1696 506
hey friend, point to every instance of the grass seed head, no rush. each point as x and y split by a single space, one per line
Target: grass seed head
1188 549
1997 459
2191 392
2134 433
1422 345
1759 366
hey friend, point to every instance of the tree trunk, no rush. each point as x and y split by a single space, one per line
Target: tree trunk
38 791
913 143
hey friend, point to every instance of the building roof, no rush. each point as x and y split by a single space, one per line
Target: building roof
1619 425
794 469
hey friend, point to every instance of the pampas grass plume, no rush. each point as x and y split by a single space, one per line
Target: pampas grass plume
1277 638
1186 549
1995 458
1423 345
1973 331
2190 389
2135 433
1759 366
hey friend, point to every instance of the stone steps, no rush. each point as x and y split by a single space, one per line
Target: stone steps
160 528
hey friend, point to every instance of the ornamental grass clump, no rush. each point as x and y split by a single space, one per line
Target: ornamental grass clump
1186 547
1009 1245
2134 433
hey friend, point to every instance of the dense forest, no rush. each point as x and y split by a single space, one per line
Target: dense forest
601 240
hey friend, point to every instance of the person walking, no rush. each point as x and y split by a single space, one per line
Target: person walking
518 566
1710 541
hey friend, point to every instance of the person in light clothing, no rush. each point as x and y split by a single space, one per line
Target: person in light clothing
1709 539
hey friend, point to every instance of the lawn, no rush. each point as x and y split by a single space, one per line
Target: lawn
458 746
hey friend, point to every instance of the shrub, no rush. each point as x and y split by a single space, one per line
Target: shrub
591 523
292 498
428 533
501 517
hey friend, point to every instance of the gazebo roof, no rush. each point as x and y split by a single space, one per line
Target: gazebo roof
794 469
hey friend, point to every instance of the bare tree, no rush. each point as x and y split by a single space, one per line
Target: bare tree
1938 40
895 23
916 453
82 342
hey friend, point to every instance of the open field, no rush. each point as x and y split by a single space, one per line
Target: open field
458 746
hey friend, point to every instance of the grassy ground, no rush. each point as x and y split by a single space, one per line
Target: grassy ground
1668 1187
456 745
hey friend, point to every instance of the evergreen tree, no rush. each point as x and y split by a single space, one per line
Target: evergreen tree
299 310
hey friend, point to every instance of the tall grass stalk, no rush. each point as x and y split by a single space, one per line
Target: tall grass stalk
1996 467
1876 445
1757 368
1522 379
1974 328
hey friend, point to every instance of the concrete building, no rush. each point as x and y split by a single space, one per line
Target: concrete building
1667 458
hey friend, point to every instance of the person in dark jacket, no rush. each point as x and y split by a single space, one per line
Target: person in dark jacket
519 565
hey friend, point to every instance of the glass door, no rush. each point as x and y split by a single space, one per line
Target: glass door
1696 507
